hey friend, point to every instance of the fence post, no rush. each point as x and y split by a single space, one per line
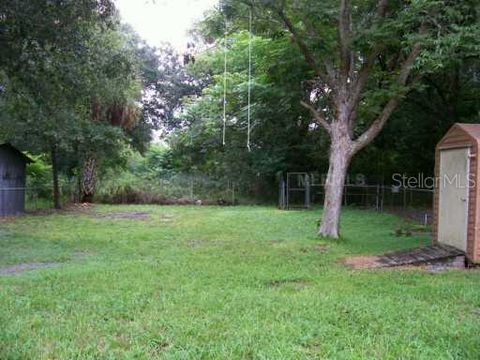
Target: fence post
191 187
383 197
377 200
281 194
307 191
287 193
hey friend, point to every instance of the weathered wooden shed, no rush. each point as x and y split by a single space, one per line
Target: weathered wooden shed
456 215
12 180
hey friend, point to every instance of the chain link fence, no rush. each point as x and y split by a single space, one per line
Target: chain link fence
298 190
174 189
187 188
181 189
41 197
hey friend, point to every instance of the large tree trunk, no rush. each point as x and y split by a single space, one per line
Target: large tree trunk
340 156
56 186
89 179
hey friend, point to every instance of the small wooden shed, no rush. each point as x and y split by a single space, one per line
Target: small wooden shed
12 180
456 218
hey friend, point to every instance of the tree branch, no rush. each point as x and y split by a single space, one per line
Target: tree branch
319 119
359 86
344 37
307 54
364 72
329 77
377 125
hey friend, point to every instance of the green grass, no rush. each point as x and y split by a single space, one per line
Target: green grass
225 283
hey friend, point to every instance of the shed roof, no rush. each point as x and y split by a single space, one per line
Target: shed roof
460 134
17 152
471 129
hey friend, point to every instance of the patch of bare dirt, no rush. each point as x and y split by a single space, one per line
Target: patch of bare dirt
7 219
126 215
321 248
22 267
80 254
295 283
79 207
26 266
196 243
363 262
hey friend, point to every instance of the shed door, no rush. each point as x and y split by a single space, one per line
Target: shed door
453 197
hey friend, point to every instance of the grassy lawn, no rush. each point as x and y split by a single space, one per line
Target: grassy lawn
224 283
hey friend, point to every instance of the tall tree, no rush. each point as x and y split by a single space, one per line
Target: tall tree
114 102
142 89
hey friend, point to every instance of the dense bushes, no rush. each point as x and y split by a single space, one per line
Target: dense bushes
151 179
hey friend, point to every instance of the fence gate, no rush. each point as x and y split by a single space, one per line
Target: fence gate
295 190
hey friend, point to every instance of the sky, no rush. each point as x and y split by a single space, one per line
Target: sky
158 21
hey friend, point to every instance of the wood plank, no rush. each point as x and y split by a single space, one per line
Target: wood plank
419 255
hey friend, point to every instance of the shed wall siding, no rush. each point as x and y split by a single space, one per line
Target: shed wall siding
472 205
475 246
436 198
12 183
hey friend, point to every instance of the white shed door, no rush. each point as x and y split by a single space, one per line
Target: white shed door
453 197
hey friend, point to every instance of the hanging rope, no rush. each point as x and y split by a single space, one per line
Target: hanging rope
249 86
225 82
249 78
